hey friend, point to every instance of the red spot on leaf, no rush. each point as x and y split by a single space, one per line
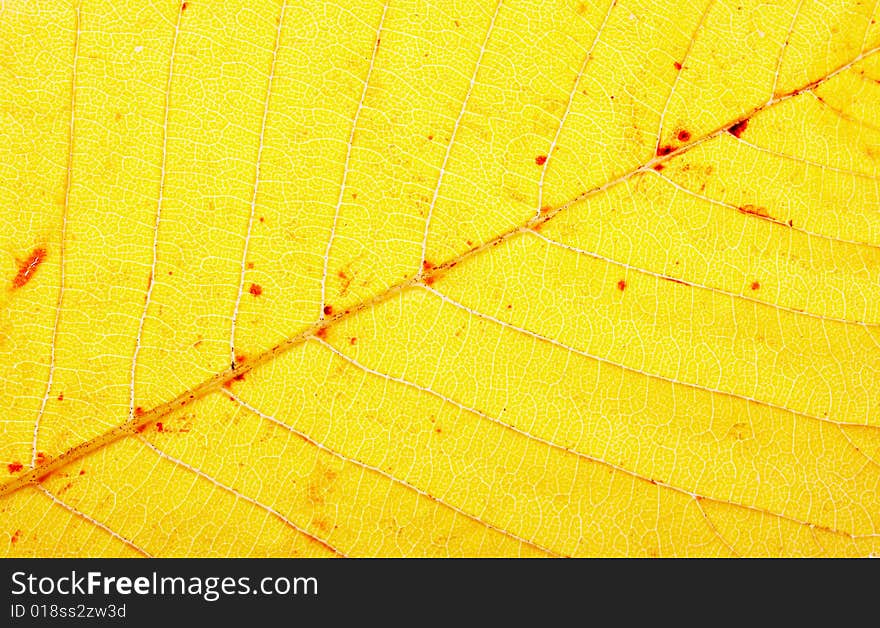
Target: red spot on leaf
15 536
621 285
160 427
28 267
755 285
428 265
664 150
659 167
139 411
256 289
82 471
184 6
61 396
684 136
140 428
352 341
546 209
541 160
14 467
41 458
328 310
321 333
677 65
737 129
429 281
240 358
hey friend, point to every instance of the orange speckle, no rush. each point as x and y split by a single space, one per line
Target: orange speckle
621 285
352 341
546 209
755 285
240 358
429 281
28 267
256 289
14 467
41 458
139 411
541 160
328 310
140 428
250 265
321 333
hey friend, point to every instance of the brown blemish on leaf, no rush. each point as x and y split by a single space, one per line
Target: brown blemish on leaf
755 210
28 267
737 129
256 289
659 167
673 280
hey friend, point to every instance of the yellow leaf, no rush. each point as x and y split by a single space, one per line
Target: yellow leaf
413 279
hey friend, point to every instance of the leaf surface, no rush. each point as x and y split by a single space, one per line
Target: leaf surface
407 279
